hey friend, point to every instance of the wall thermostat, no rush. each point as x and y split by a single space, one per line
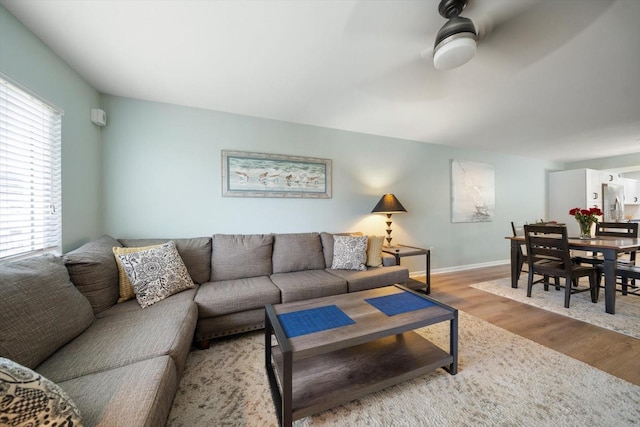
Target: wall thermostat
98 117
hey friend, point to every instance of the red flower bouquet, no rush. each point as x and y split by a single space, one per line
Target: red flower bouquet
586 218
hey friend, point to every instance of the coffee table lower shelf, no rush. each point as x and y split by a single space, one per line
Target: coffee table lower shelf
330 379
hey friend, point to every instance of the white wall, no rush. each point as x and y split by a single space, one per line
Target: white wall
162 178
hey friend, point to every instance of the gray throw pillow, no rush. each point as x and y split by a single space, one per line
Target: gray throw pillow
93 270
40 309
349 253
156 273
29 399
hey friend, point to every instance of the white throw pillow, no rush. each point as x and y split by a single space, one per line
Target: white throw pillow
29 399
156 273
126 288
349 253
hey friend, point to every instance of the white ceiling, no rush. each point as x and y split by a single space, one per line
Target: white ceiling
555 79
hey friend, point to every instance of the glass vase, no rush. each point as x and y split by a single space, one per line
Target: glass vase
585 229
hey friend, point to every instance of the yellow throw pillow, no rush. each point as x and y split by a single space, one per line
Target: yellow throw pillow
374 251
126 289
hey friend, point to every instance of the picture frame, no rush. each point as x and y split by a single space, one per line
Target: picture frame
473 196
251 174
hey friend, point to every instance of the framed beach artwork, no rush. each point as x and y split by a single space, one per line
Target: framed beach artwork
248 174
473 196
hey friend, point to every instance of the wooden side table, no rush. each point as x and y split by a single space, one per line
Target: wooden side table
400 251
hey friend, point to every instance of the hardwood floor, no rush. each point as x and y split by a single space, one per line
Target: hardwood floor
609 351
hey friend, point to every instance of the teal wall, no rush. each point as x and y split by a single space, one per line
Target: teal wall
162 175
155 170
26 60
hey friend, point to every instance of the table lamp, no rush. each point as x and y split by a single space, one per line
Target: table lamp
388 204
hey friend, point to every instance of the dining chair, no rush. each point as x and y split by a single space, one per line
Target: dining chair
624 272
549 256
615 229
518 230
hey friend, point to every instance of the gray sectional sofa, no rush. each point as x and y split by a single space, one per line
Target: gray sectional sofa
121 364
249 271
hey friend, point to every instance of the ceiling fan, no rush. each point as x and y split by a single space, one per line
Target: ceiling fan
506 37
455 43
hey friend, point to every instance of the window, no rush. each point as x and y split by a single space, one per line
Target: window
30 183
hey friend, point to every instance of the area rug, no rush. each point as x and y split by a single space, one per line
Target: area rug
626 320
503 380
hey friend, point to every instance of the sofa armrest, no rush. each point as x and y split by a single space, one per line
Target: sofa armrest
388 259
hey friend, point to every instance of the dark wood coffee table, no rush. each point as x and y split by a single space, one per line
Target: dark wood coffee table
315 371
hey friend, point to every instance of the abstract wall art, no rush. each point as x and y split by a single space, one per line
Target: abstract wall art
472 191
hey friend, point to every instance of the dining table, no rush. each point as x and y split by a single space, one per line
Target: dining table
609 247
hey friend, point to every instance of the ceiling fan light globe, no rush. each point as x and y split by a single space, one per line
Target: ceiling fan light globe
454 51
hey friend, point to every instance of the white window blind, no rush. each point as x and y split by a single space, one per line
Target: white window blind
30 175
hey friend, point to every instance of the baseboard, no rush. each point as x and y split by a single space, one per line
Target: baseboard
460 268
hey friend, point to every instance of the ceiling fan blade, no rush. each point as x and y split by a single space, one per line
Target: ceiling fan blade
413 80
392 20
526 35
385 39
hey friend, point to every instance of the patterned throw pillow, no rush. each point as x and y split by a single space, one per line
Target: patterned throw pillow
374 251
126 288
349 253
156 273
29 399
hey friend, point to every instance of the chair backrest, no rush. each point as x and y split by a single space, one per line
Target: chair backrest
547 243
617 229
517 228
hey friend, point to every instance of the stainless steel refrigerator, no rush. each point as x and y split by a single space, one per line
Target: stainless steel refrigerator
613 202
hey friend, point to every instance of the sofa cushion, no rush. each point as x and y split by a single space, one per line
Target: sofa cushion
327 244
349 253
165 328
373 277
237 256
297 252
135 395
124 284
231 296
40 309
93 270
29 399
195 253
374 251
302 285
156 273
133 305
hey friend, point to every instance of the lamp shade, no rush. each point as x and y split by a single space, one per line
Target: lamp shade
388 204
